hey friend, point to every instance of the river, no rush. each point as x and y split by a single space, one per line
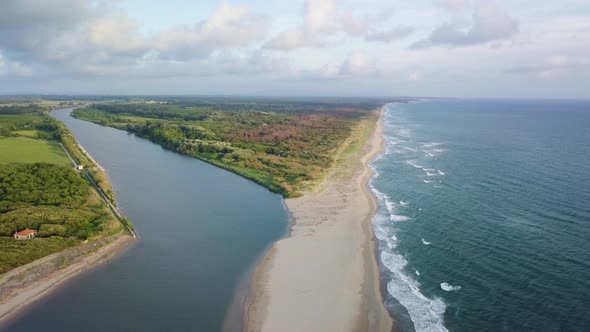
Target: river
200 230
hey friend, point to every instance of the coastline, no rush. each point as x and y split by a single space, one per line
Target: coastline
324 275
22 286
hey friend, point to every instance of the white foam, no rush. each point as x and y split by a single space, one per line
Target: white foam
426 243
389 205
426 314
402 203
430 174
398 218
413 163
441 172
449 288
431 144
417 272
427 181
404 132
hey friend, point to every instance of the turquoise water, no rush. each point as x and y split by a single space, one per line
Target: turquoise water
201 228
484 220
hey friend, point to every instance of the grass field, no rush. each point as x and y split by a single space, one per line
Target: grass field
26 150
32 133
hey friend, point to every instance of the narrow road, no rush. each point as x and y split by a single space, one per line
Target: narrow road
100 192
105 198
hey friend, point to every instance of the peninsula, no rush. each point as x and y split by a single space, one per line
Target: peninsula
324 275
51 188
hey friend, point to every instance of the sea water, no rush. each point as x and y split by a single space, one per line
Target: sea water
484 219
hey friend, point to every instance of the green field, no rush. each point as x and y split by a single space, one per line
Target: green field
31 133
26 150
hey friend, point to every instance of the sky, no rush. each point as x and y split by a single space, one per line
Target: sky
442 48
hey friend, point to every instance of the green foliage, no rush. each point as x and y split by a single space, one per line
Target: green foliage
54 200
14 253
283 146
41 184
21 109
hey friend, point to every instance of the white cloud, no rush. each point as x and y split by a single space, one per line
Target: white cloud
99 39
454 5
553 67
415 76
488 23
388 35
359 45
12 68
228 27
324 20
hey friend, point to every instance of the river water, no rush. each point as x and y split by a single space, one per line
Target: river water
201 228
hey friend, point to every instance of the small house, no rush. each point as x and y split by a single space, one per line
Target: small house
26 234
79 167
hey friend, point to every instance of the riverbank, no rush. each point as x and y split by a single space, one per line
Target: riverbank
324 276
22 286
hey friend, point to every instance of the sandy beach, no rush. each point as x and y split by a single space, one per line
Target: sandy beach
24 285
324 276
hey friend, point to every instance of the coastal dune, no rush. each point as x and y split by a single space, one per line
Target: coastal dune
324 275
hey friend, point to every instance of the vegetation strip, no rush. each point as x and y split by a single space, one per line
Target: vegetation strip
285 146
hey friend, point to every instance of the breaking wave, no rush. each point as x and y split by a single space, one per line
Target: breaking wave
449 288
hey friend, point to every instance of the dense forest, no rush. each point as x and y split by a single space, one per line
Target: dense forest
54 200
286 147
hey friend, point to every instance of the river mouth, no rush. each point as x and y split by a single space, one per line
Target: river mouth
201 230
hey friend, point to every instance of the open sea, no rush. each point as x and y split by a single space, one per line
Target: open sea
484 218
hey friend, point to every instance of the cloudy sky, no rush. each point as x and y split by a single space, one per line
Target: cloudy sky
459 48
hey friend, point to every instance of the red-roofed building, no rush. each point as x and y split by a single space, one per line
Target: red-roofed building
25 234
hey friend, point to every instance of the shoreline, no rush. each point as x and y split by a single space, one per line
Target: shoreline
324 274
21 287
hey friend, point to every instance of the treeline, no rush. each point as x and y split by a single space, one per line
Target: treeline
156 111
21 109
284 151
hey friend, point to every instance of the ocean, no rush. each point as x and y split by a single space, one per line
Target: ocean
484 217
